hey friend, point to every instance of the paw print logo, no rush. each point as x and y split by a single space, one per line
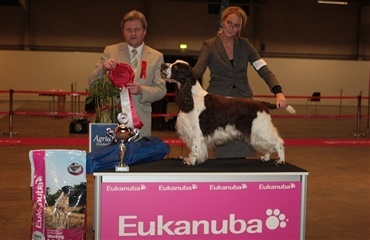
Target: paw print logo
275 219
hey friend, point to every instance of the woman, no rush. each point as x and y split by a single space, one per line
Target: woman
227 55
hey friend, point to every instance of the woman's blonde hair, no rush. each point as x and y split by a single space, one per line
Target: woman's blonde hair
234 10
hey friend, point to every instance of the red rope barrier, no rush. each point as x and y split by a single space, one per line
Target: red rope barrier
313 116
177 142
56 114
173 94
164 114
56 93
308 97
52 114
73 114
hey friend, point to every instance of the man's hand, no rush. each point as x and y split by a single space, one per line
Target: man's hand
134 88
109 64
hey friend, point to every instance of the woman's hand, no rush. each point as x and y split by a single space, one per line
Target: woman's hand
281 100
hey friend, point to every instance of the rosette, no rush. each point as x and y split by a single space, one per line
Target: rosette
121 75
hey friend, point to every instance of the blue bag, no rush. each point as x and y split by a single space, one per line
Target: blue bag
147 149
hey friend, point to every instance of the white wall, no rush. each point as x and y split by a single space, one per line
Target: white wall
42 71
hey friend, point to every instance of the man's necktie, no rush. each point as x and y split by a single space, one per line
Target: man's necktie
134 60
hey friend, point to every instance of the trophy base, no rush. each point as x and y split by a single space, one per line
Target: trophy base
122 168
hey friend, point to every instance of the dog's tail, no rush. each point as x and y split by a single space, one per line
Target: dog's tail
290 109
272 106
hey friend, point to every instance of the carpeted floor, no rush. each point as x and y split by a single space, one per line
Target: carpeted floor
338 197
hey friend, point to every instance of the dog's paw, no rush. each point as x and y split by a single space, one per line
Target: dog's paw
279 162
188 162
265 158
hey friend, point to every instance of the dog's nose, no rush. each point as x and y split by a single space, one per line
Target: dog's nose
164 66
166 70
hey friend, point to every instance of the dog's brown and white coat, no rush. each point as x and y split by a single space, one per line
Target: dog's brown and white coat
207 119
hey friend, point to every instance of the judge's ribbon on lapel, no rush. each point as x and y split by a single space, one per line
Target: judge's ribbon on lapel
120 76
143 69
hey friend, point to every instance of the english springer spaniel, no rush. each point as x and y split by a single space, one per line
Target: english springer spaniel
209 120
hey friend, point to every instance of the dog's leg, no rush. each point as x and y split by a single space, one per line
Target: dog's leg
265 157
189 132
66 222
56 216
198 152
280 149
265 138
263 146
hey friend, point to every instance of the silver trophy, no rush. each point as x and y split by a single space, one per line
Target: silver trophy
124 134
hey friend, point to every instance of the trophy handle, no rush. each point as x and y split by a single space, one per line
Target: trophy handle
110 134
137 132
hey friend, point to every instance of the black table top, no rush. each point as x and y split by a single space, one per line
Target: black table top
215 165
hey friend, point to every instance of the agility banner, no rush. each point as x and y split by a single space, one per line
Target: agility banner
201 210
58 183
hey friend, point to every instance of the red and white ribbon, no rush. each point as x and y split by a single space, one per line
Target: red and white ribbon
120 76
129 109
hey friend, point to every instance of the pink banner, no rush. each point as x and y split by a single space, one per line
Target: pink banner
201 210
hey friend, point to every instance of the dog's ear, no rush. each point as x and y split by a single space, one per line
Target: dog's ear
181 71
185 97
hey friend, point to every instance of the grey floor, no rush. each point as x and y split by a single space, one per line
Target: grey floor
338 198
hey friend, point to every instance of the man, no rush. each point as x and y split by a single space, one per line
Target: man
148 86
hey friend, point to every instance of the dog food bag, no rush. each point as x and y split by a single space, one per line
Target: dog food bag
58 183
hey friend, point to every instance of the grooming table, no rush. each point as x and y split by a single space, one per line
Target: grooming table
220 199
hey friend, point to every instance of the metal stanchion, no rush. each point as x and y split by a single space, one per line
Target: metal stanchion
75 99
340 104
72 98
368 116
11 114
358 133
368 111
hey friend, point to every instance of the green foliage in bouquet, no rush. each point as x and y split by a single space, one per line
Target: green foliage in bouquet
106 97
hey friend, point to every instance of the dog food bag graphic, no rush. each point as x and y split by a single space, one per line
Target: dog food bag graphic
58 183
